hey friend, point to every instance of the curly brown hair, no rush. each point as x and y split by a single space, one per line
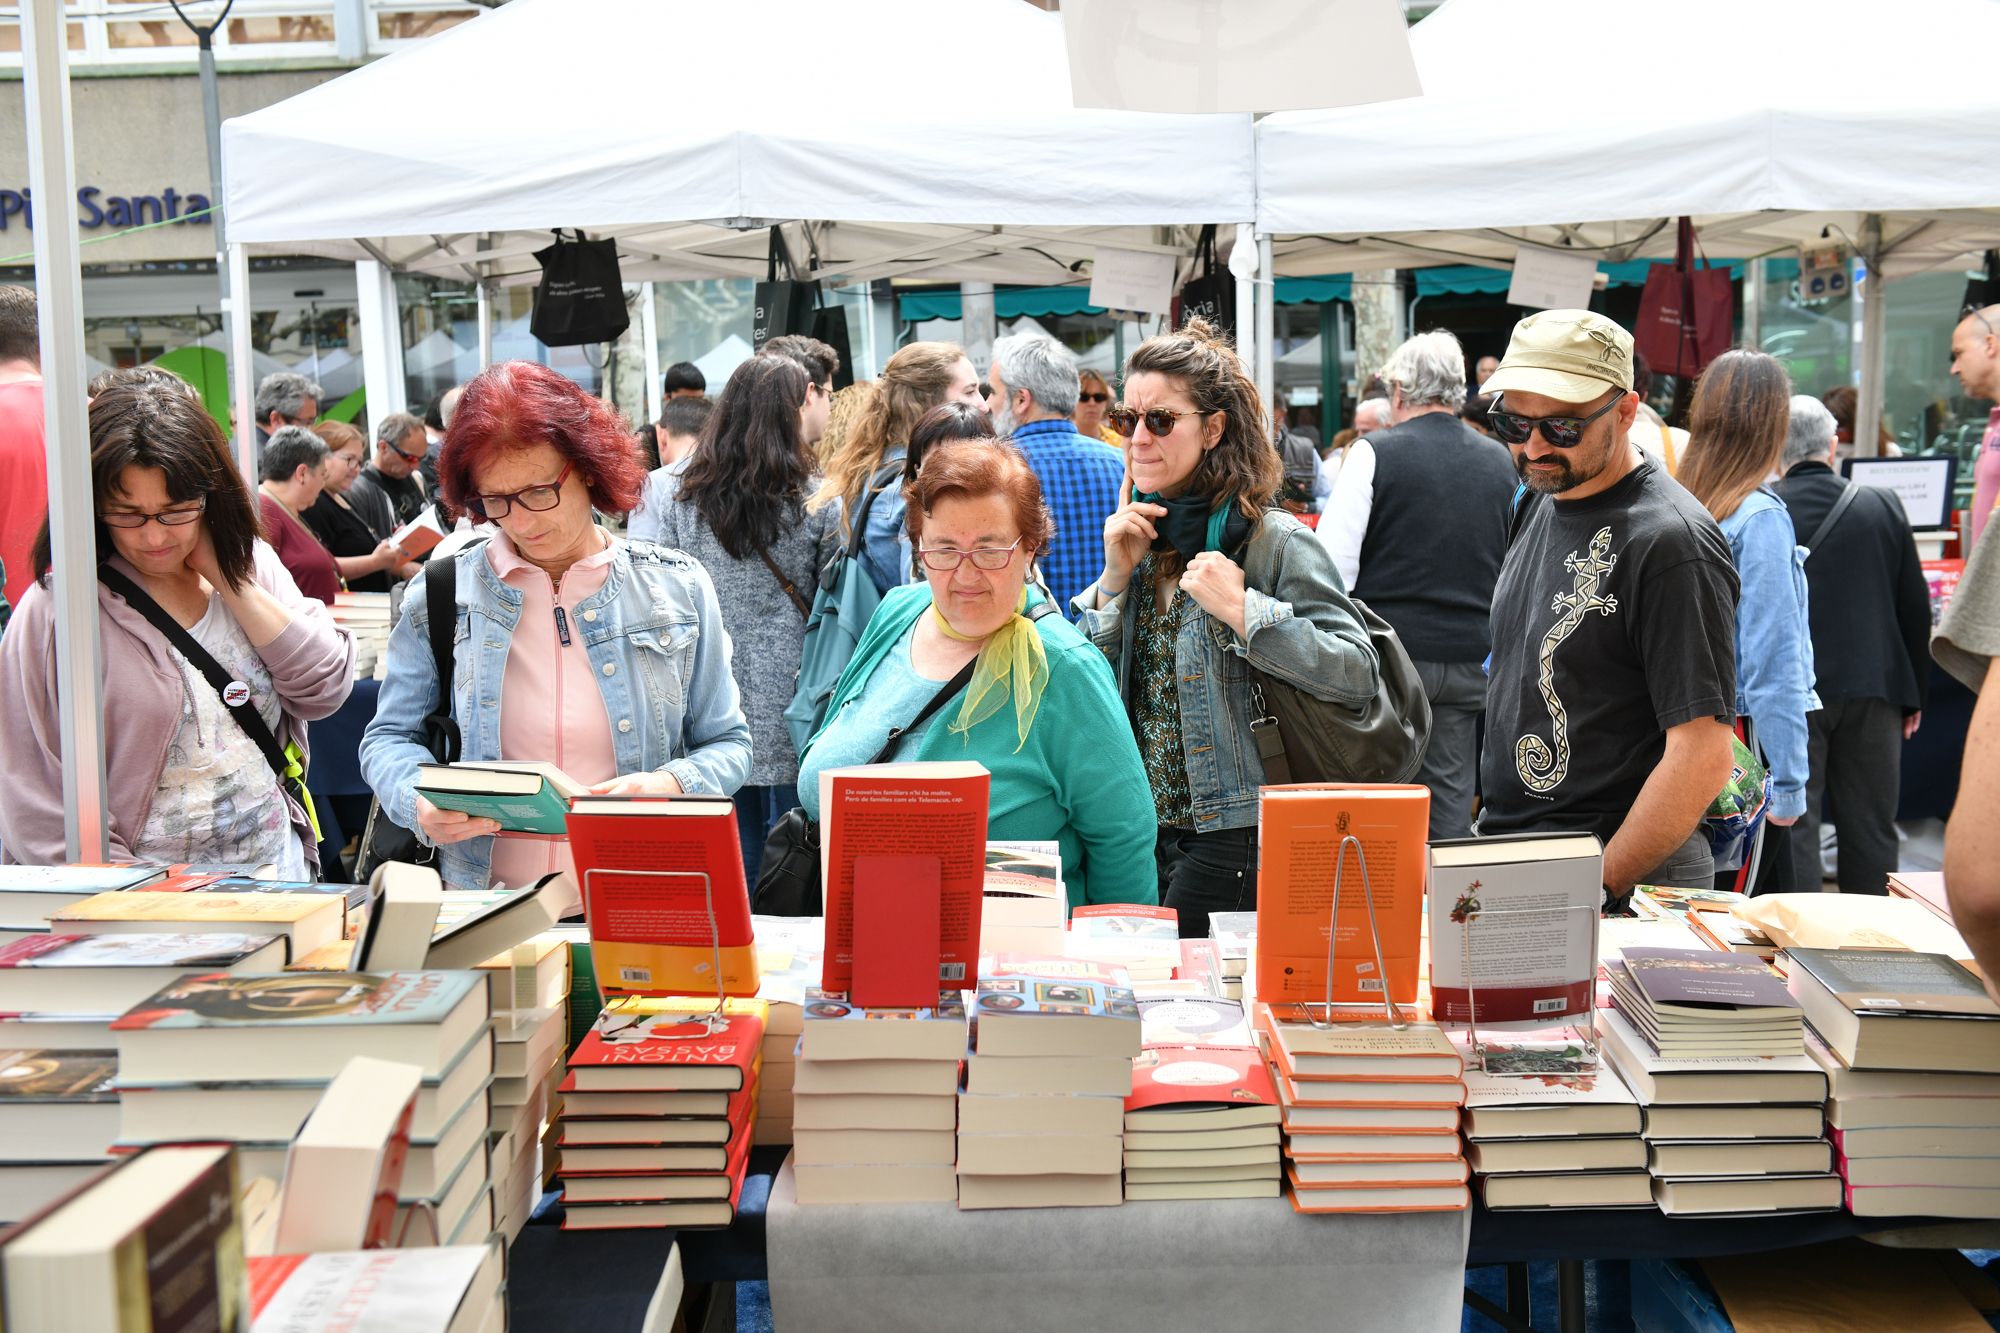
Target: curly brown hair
1244 466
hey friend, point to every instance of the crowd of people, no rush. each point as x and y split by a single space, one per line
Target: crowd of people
1078 585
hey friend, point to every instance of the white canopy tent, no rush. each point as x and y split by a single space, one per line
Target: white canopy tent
1588 125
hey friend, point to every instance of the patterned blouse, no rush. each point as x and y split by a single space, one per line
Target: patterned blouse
1157 708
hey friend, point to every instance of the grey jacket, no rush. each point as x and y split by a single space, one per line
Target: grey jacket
766 630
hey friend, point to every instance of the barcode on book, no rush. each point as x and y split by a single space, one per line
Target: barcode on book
1554 1005
951 971
636 976
1369 983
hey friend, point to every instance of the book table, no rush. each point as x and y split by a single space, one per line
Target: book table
1206 1263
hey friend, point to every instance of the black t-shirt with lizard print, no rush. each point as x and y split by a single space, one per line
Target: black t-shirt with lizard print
1614 619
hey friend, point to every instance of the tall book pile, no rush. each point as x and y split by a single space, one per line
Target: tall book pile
1370 1113
1542 1133
1041 1122
366 616
1202 1120
874 1101
1233 938
791 958
530 988
1734 1111
1910 1045
245 1059
657 1114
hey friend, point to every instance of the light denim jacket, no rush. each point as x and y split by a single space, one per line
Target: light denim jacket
886 551
1774 652
658 652
1303 631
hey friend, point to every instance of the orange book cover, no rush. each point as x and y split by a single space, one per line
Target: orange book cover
1301 830
1391 1199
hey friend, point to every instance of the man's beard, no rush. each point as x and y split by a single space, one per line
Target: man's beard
1003 418
1549 483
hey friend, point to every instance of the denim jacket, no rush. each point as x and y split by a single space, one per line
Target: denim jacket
1303 631
654 637
1774 651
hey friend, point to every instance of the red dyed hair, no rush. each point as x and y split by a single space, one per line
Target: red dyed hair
974 469
519 404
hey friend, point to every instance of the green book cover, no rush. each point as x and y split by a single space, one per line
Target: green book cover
543 811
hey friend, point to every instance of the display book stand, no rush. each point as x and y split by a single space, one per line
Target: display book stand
1574 1049
695 1027
1392 1013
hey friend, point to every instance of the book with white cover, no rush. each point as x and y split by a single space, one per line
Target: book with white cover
1521 914
345 1167
401 919
1658 1081
447 1289
108 974
1542 1105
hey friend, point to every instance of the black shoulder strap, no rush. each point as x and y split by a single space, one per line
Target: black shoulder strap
1847 496
885 476
441 605
958 682
234 694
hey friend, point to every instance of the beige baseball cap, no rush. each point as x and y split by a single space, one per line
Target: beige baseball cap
1572 356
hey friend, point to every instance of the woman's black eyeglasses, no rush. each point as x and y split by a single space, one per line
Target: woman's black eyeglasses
1159 420
1561 432
536 499
166 518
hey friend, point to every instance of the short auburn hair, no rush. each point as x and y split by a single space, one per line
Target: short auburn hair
519 404
973 470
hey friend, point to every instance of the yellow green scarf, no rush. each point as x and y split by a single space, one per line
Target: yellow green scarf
1010 663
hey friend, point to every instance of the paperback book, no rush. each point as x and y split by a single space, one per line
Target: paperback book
1513 925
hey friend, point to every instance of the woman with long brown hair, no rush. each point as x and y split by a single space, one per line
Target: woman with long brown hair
917 378
1736 435
1203 578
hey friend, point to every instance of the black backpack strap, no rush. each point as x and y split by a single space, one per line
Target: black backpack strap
234 694
1847 497
441 605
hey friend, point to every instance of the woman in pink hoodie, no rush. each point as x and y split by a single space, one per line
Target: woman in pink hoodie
177 535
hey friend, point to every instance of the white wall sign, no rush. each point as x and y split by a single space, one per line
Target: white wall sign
1551 280
1132 280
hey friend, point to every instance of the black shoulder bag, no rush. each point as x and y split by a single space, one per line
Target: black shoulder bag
234 694
788 882
382 838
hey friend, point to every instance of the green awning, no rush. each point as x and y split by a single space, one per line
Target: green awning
1042 302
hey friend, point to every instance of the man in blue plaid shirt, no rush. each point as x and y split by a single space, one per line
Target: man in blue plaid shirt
1034 384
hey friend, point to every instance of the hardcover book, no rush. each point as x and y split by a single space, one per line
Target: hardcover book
663 891
630 1049
1513 922
1531 1104
1301 833
72 974
308 920
1054 1015
1894 1009
1302 1050
521 796
450 1289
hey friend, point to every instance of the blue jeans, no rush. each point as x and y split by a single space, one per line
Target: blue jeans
758 809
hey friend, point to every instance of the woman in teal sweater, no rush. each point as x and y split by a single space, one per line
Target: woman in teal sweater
1041 709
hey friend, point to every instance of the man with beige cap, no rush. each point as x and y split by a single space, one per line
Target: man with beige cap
1613 681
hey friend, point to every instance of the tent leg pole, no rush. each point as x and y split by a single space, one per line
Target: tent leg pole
1874 319
1243 264
381 339
242 374
1267 329
649 333
72 530
486 324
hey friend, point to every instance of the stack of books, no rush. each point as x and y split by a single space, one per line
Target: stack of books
58 1120
1705 1003
1370 1113
658 1108
1726 1134
244 1059
30 895
366 616
1234 938
791 958
304 920
527 1067
1202 1120
875 1101
1910 1045
1541 1132
1709 914
1145 941
1041 1122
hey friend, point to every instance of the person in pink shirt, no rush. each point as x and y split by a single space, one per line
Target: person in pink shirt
1975 360
24 469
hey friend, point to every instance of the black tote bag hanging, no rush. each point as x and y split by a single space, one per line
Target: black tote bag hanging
1211 293
782 305
581 298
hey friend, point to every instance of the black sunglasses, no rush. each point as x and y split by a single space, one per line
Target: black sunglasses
1561 432
1093 398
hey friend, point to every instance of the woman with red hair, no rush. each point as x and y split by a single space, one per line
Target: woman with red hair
604 657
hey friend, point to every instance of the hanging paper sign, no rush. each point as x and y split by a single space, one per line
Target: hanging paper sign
1132 280
1551 280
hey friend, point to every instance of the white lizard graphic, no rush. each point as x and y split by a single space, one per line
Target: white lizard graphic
1540 770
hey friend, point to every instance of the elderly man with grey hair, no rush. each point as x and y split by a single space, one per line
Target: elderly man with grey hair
285 399
1401 493
1034 386
1870 613
390 492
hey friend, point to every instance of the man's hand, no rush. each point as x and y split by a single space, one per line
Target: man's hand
1677 794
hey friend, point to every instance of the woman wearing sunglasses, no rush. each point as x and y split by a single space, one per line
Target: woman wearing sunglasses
184 583
1093 400
1020 690
604 657
1736 435
1203 577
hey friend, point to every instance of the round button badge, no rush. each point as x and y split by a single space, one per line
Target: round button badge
235 694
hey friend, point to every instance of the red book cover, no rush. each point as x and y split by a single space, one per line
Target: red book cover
666 1052
651 933
897 927
923 809
1197 962
1200 1075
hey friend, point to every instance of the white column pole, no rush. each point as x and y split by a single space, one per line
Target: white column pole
381 339
1243 266
1267 329
66 424
242 373
1873 311
649 333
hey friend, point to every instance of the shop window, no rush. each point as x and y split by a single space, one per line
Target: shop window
410 24
147 34
10 35
284 28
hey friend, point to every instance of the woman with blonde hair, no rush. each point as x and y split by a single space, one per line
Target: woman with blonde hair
1736 435
917 378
